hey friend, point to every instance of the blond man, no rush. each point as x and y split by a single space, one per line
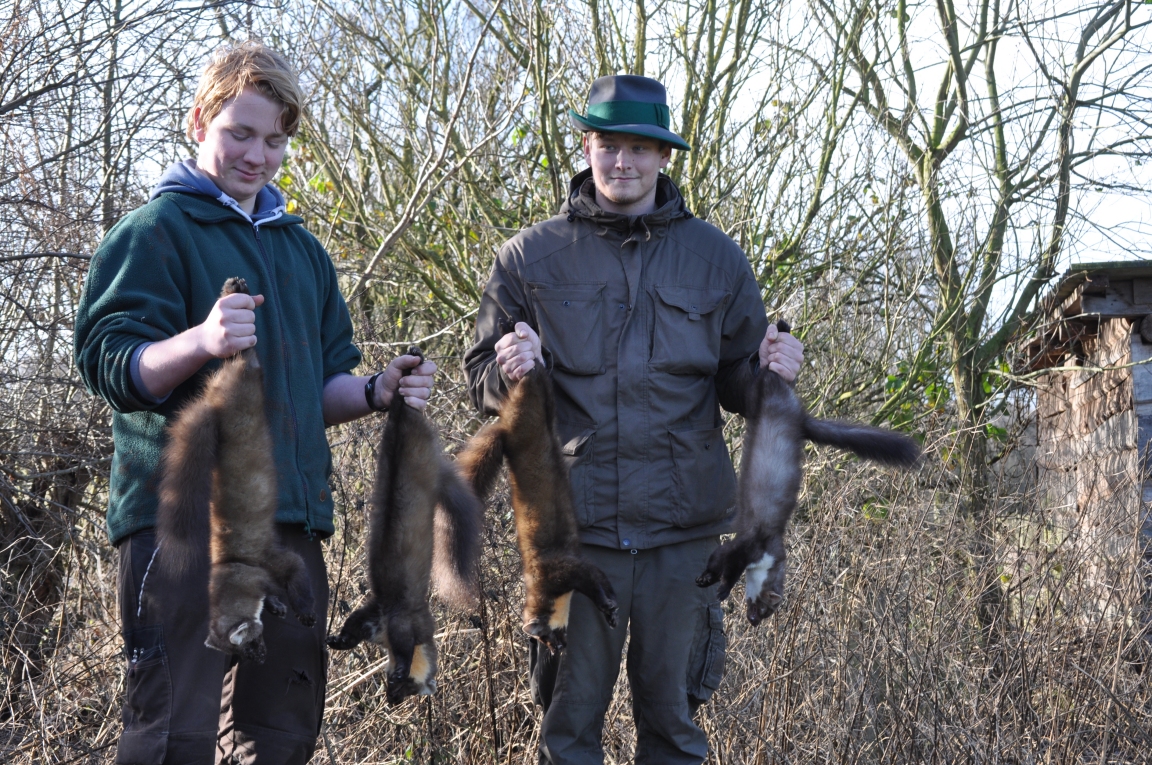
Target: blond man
150 327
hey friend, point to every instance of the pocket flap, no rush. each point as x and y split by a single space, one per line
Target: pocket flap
692 301
577 444
568 293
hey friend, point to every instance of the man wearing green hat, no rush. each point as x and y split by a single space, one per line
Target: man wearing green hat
648 321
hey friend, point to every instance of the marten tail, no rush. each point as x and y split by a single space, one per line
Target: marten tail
182 516
459 518
482 458
876 444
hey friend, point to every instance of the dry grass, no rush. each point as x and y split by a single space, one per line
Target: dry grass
876 657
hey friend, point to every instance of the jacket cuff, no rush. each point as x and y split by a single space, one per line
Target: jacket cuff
136 382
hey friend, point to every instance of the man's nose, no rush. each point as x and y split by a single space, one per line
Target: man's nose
255 154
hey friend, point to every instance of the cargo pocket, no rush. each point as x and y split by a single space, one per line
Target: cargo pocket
703 479
577 452
571 326
686 332
148 697
706 665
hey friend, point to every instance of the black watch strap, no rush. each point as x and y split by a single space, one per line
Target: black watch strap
370 393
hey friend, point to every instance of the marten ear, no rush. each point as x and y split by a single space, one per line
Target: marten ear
237 636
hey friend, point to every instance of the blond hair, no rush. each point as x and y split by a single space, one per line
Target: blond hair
247 64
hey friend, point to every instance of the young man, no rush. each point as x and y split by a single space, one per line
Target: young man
648 321
150 327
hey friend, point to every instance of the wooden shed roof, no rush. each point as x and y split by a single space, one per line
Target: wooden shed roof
1086 294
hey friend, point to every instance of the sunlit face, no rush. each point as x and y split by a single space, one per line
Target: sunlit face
243 146
625 168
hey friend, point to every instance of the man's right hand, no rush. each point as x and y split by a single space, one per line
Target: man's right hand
229 329
519 351
230 326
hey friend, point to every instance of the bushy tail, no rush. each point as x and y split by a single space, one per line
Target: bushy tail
482 458
459 519
182 522
876 444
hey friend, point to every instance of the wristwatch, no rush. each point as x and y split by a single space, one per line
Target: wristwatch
370 393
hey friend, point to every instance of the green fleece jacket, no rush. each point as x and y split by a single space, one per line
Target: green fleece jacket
157 273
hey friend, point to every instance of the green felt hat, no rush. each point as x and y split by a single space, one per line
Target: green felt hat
627 103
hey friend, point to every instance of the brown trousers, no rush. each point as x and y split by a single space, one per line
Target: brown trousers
187 703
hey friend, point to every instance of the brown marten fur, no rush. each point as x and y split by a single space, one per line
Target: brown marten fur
770 473
218 493
525 435
419 502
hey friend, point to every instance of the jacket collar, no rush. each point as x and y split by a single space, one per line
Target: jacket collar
581 203
186 178
204 210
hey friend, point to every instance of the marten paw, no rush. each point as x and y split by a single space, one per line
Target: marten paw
275 606
308 619
233 285
341 642
609 609
553 638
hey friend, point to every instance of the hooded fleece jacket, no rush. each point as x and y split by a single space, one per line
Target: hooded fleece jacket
648 325
157 273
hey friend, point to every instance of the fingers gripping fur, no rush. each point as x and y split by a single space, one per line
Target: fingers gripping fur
459 516
182 516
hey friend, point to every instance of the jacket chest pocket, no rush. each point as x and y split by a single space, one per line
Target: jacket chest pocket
571 326
686 330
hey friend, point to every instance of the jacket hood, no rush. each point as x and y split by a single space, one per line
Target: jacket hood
185 178
581 203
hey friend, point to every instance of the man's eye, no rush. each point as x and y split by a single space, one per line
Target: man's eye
238 136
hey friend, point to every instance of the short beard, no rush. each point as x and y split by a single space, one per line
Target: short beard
627 199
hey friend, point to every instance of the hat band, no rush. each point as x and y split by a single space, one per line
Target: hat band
608 113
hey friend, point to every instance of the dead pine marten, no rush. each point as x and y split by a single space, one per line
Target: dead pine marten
419 503
770 471
525 435
218 494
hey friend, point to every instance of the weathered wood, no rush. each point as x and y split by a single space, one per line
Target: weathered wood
1116 302
1142 291
1095 284
1142 373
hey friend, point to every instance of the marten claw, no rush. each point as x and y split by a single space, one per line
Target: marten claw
609 612
400 688
340 642
552 639
308 619
275 606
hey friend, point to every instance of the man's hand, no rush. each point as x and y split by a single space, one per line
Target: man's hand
782 353
415 388
519 351
229 329
230 326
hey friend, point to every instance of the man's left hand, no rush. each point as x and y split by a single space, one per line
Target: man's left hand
415 387
782 353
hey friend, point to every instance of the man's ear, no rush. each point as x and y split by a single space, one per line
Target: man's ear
199 129
665 154
587 148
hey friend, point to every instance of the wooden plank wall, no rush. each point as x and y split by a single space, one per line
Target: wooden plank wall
1089 439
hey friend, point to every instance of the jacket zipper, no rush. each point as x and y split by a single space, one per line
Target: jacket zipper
287 375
